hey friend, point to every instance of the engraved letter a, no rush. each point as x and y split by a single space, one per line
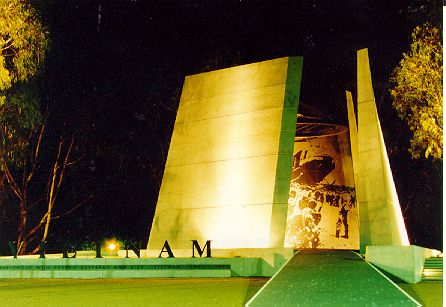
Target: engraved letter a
166 249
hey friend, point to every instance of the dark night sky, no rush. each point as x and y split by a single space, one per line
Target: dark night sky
117 84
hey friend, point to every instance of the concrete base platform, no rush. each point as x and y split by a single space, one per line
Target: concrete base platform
330 278
256 262
404 262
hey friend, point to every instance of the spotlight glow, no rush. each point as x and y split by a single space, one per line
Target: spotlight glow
112 246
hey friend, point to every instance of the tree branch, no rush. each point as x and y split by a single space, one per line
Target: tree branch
75 161
61 174
12 182
36 228
74 208
36 152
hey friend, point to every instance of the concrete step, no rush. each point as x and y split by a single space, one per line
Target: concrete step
434 261
433 269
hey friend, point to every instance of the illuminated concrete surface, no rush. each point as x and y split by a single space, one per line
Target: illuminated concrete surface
330 278
228 169
139 267
353 131
381 220
273 258
404 262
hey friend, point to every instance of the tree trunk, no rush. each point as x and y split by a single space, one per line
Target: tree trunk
21 240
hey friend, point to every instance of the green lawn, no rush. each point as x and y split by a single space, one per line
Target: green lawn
157 292
428 293
129 292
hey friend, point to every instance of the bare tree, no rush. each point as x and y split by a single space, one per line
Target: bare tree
28 235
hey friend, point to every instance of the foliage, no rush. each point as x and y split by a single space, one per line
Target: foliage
23 44
20 116
417 92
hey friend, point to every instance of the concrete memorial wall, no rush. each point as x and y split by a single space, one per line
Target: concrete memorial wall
230 164
381 219
239 177
228 169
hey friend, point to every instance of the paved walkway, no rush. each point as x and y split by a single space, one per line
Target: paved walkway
329 278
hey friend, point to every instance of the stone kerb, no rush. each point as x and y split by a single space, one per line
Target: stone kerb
404 262
223 263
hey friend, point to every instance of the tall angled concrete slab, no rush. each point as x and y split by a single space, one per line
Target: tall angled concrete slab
353 131
381 220
228 169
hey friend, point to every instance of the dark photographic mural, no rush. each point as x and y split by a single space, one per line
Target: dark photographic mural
322 211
